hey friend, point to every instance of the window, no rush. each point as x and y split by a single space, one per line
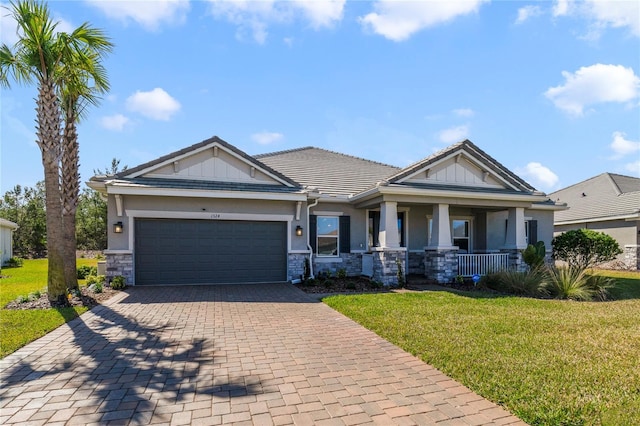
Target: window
374 229
328 236
460 228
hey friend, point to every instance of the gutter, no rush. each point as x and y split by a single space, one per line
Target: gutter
309 206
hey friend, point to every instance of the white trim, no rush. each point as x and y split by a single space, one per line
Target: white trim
298 251
119 205
202 193
627 218
118 252
162 214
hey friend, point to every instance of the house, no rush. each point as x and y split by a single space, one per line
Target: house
6 239
211 213
608 203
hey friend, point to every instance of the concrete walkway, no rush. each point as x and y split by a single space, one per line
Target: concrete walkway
243 354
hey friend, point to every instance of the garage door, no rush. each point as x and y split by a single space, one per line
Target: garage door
169 251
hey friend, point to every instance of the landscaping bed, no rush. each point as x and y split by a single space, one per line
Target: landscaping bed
343 285
87 298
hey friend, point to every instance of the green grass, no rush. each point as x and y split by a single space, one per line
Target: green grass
549 362
19 327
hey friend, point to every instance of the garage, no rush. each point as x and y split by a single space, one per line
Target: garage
178 251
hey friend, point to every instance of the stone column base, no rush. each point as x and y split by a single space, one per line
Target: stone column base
631 257
120 264
385 266
441 265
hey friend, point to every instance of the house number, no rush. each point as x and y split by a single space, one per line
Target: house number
216 216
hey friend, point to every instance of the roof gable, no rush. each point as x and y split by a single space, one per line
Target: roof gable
212 160
602 197
327 171
461 165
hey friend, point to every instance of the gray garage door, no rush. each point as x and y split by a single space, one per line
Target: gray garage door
169 251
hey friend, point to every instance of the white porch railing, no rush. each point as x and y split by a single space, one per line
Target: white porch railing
482 264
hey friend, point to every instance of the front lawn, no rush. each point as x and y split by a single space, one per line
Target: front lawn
19 327
549 362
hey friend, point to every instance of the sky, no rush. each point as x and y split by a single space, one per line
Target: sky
550 89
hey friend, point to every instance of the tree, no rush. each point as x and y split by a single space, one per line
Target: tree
585 248
25 206
83 79
51 60
91 221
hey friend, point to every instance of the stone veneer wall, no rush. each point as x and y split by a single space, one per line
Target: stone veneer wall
351 262
441 265
416 263
516 262
120 264
385 268
631 256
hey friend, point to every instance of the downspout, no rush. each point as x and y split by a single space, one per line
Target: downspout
315 203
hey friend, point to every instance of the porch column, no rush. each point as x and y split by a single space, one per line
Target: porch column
516 236
388 234
441 228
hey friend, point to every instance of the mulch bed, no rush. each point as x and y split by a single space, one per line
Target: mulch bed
87 298
341 285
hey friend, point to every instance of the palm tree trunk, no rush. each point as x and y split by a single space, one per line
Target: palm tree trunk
48 131
70 195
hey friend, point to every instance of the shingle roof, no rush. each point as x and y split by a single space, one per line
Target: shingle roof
330 172
601 197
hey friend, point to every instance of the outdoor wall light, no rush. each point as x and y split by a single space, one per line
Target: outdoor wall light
299 231
118 227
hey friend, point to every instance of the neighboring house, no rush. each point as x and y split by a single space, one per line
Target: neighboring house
608 203
210 213
6 239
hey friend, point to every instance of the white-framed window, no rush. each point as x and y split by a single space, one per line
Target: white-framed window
460 233
327 235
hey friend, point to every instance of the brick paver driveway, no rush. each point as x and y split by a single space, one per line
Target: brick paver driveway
241 354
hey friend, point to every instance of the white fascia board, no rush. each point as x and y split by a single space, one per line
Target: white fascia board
204 148
97 186
195 193
169 214
400 190
554 207
628 218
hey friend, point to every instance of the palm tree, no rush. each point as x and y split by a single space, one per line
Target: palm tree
82 79
48 58
35 57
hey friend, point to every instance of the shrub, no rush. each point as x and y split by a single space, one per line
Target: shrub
534 255
342 273
350 285
85 270
400 274
600 286
96 288
585 248
327 283
529 283
569 283
118 282
35 295
95 279
22 299
307 269
15 262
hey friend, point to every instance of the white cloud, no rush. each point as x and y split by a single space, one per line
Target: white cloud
526 12
633 168
562 7
150 15
615 14
602 14
155 104
266 138
464 112
398 21
538 175
622 146
254 17
114 122
454 134
594 84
